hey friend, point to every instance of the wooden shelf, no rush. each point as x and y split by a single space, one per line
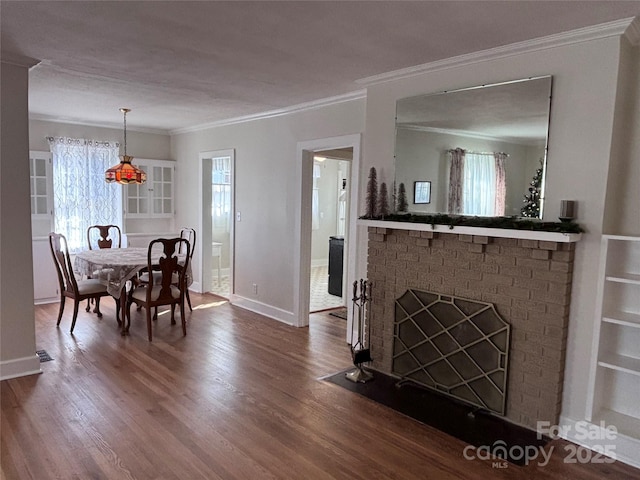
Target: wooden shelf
621 363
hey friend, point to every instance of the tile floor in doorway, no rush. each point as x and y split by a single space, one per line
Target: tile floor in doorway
320 299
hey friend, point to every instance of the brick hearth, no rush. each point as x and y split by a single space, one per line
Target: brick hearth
528 281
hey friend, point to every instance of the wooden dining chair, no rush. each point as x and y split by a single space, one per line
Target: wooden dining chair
77 290
104 236
167 282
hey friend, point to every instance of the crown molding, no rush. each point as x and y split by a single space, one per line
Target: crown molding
113 126
605 30
324 102
18 60
632 34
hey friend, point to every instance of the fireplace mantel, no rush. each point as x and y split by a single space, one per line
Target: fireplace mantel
480 231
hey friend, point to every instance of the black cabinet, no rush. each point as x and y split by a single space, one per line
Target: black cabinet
336 255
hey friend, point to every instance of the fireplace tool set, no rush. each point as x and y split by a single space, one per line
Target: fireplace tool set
360 352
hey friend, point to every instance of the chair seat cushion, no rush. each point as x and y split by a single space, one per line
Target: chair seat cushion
140 293
92 285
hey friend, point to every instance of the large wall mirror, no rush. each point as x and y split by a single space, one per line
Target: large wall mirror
483 149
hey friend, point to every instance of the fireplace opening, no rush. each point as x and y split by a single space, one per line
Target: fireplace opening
456 346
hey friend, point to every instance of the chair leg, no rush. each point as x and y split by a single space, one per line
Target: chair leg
88 305
127 319
61 310
76 304
188 299
155 313
149 322
184 320
173 315
118 311
97 309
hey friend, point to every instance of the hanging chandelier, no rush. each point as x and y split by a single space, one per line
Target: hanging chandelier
124 172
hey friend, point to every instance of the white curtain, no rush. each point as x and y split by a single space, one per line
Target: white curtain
479 184
315 199
456 179
81 197
221 191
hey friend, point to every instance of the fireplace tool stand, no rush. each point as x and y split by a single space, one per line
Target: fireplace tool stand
360 352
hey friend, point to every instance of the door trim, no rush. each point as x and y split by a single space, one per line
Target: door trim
302 240
205 234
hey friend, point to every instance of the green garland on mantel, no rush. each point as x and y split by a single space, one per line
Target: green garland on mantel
509 223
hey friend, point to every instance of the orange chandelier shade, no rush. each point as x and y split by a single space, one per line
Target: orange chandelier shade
125 172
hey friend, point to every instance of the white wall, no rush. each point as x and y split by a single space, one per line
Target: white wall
265 191
17 322
585 79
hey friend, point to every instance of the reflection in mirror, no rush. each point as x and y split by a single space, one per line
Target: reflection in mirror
479 148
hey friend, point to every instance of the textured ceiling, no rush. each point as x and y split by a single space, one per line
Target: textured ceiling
179 64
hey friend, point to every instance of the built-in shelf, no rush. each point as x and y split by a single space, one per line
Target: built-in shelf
482 231
621 363
629 278
625 424
614 378
622 318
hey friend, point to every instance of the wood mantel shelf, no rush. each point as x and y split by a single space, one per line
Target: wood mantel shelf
483 231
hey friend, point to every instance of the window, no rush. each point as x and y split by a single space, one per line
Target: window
221 192
81 197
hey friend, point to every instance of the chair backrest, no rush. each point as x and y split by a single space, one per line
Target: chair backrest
190 235
163 256
62 260
104 236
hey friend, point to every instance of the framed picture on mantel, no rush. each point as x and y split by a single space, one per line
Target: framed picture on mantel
421 192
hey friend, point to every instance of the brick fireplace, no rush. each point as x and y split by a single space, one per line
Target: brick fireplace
527 281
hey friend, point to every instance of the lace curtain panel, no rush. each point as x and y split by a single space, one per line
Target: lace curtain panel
477 183
81 197
221 191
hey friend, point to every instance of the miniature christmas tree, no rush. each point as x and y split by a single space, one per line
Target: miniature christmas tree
531 208
383 201
403 206
372 194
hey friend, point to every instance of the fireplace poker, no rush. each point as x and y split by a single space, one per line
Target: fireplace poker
360 353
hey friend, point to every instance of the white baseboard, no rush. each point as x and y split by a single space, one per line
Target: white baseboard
320 262
264 309
626 448
44 301
20 367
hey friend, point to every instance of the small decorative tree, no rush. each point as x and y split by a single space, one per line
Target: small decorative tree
372 194
531 200
383 201
403 206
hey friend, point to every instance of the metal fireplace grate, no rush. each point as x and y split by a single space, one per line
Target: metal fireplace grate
456 346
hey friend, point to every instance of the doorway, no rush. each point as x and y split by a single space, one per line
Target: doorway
303 232
329 219
217 224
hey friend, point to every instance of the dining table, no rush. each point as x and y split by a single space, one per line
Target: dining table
116 268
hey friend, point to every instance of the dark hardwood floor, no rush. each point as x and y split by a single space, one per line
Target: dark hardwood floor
238 398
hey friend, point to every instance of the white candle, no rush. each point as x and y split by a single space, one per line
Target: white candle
567 208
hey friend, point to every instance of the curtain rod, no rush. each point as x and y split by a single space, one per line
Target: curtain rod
477 153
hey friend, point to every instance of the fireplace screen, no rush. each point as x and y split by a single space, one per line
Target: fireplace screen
458 347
